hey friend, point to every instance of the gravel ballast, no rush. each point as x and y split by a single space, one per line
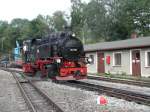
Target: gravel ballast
11 99
133 88
73 99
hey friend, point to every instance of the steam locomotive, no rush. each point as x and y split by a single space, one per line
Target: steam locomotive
59 56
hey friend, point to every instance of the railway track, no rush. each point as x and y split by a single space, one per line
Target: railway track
124 81
119 93
123 94
36 99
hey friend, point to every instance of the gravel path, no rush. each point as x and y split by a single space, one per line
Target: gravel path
10 97
76 100
137 89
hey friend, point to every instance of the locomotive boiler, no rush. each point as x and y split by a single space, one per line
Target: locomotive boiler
59 56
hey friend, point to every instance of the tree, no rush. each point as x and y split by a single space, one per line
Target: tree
77 17
128 16
96 19
3 27
59 21
38 27
21 26
49 21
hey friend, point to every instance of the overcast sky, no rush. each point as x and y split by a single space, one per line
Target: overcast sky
29 9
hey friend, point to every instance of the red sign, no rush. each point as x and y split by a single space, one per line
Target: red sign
108 60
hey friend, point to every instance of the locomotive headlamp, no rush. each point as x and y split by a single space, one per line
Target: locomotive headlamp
89 60
58 60
73 35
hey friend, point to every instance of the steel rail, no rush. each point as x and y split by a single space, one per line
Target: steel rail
41 92
46 96
119 93
124 81
108 79
27 99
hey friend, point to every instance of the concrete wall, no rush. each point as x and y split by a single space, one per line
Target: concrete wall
92 68
125 62
145 70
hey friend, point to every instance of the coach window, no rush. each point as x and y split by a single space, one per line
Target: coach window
92 57
147 59
117 59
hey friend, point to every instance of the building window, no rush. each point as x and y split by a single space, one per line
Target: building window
117 59
92 57
147 59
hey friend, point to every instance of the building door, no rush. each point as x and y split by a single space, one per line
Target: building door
101 66
136 63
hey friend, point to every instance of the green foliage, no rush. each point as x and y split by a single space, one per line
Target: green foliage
77 17
20 29
129 16
97 20
38 28
59 20
107 20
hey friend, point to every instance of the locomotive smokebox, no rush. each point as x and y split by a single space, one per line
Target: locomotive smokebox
72 49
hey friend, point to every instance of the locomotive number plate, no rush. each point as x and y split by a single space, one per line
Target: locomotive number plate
73 49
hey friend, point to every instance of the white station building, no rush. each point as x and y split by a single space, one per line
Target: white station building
131 56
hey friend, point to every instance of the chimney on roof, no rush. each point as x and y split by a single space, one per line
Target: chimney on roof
134 35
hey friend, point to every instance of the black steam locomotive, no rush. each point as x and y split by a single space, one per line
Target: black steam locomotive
59 56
